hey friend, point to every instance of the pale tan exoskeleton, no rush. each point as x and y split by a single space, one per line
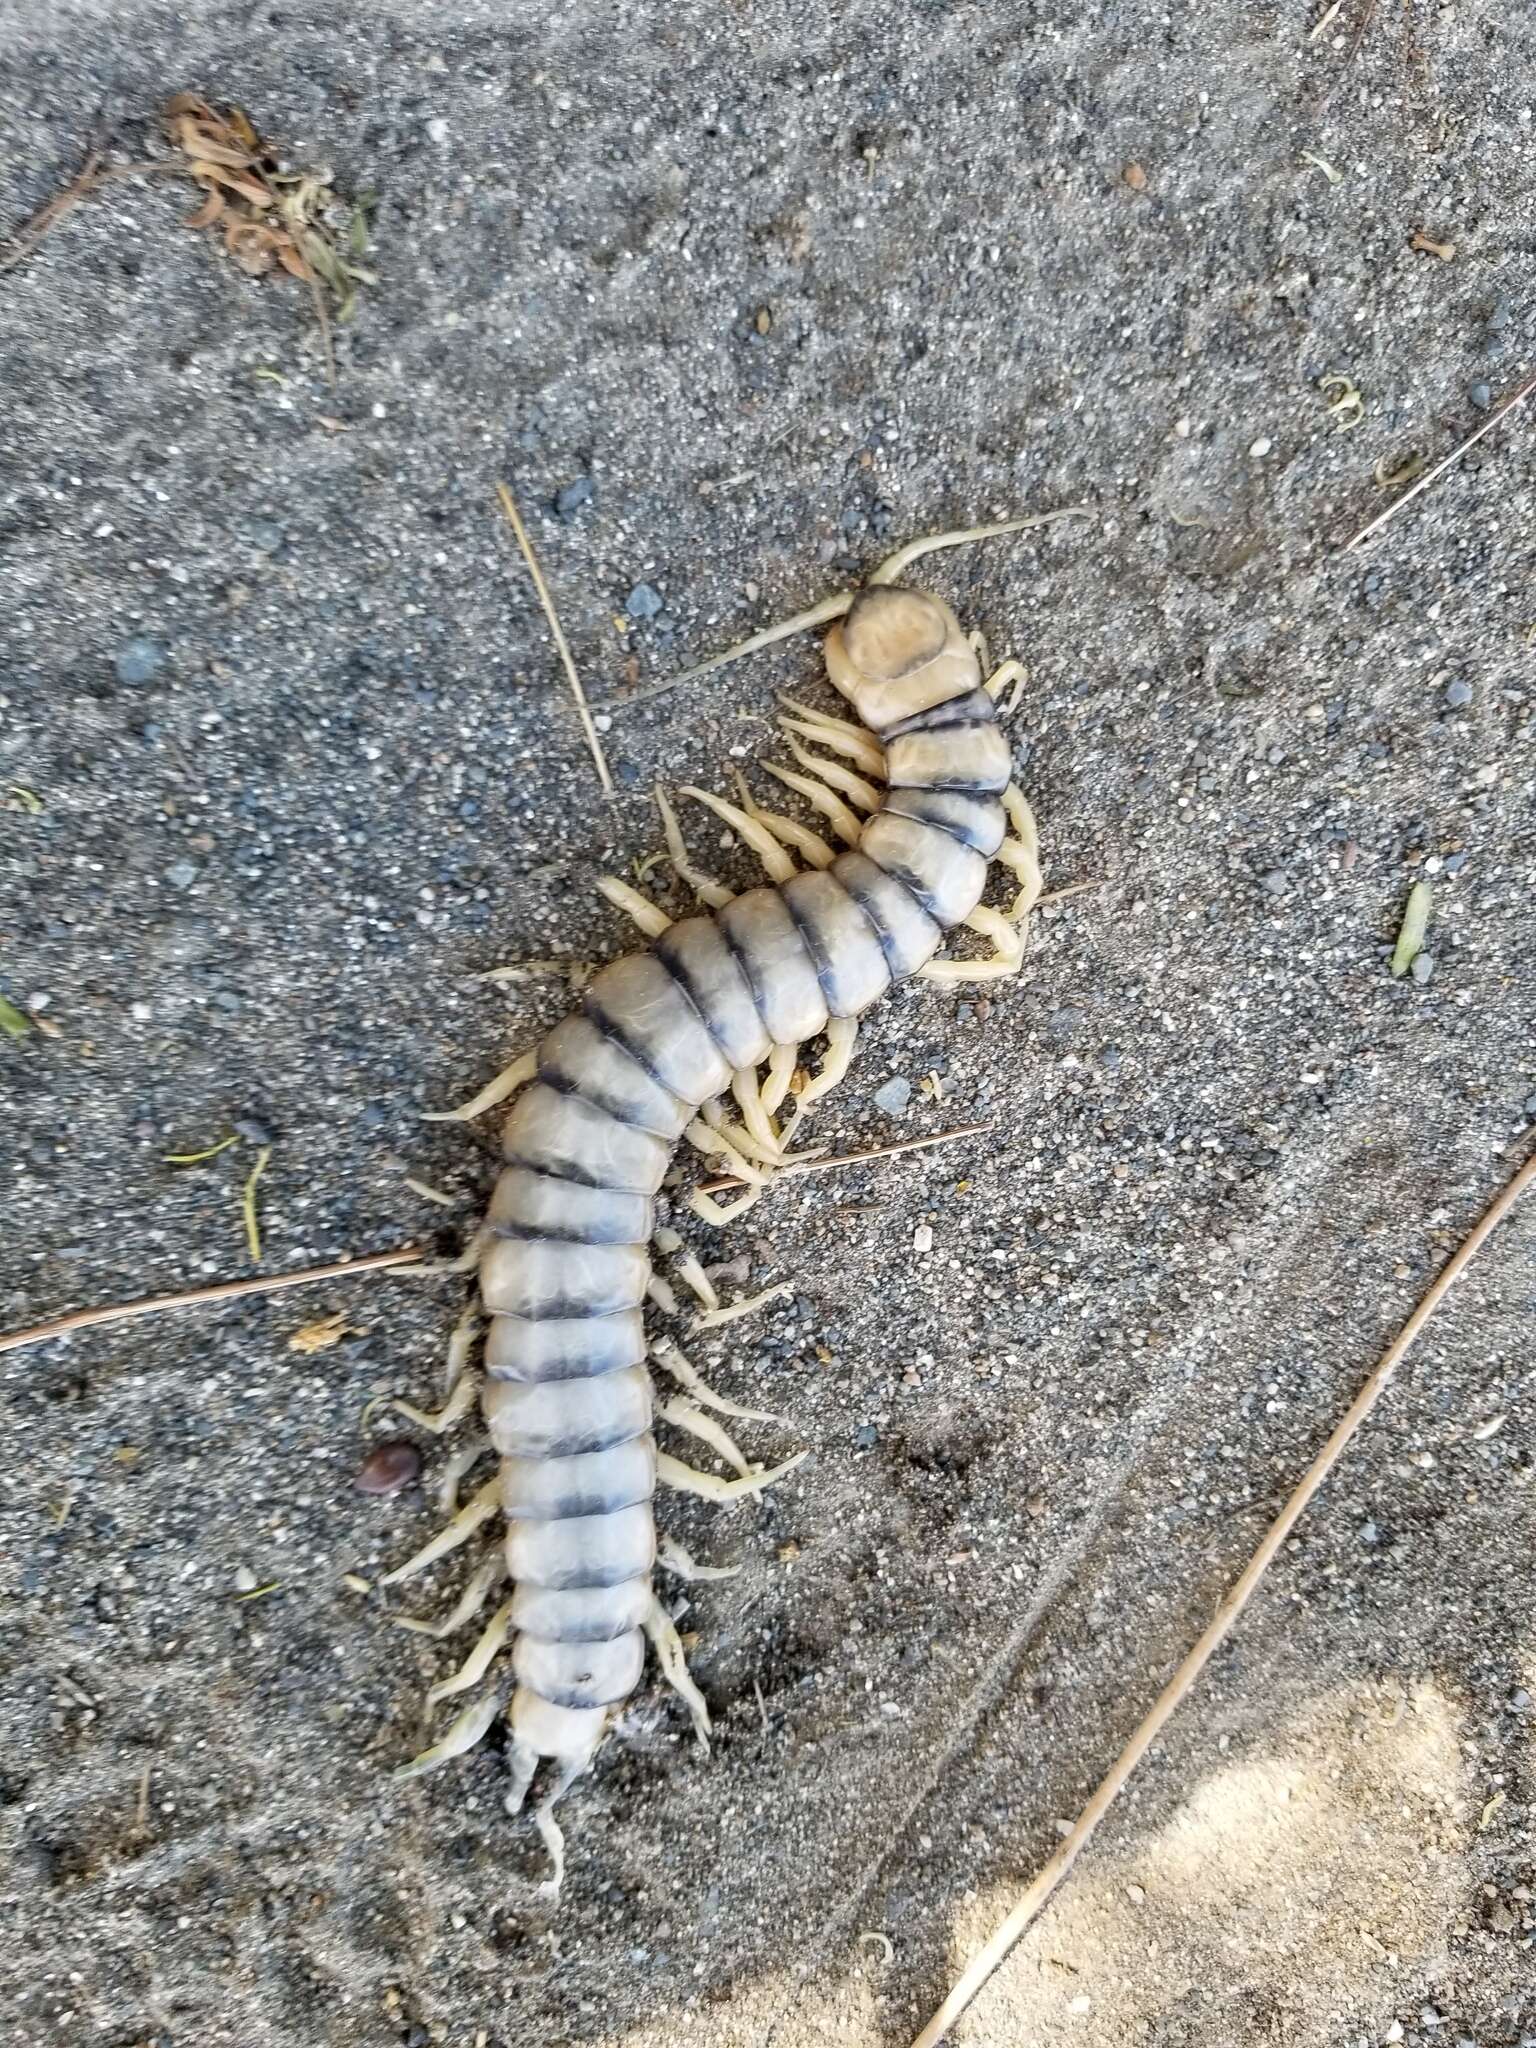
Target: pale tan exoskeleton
662 1039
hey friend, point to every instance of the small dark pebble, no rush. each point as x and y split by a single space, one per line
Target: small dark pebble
1481 395
140 660
569 501
253 1132
1458 694
643 602
182 874
265 534
1065 1022
1498 315
866 1436
388 1467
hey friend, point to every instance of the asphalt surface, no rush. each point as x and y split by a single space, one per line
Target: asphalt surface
286 761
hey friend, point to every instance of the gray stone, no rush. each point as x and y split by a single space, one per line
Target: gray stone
140 660
894 1096
643 602
182 874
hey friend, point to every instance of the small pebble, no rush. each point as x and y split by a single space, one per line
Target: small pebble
437 129
1481 395
894 1096
642 602
1136 1895
866 1436
140 660
388 1467
1458 694
922 1238
1423 968
253 1132
246 1580
1276 882
569 501
182 874
1261 447
265 534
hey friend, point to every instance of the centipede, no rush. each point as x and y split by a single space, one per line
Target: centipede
702 1038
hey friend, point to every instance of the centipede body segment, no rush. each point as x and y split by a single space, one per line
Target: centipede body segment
668 1044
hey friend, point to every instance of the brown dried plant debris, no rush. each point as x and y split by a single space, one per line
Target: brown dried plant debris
270 215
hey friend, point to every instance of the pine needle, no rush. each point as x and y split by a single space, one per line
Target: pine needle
562 646
982 1966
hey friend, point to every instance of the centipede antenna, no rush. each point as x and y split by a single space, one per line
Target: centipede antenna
818 615
896 565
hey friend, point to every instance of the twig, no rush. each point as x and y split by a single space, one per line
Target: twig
981 1967
1517 397
224 1290
141 1809
91 176
1367 13
509 507
248 1205
797 1165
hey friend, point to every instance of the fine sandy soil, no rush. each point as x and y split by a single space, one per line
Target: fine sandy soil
286 762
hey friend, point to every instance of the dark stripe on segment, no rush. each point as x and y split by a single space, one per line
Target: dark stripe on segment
581 1180
680 983
914 885
885 939
585 1367
667 955
974 708
744 962
826 979
907 803
562 1084
615 1035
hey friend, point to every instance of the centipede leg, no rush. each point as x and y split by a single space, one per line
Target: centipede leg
469 1603
1010 672
640 910
471 1727
705 887
671 1360
687 1268
522 1069
523 1760
672 1557
710 1486
490 1643
776 862
722 1214
810 846
1006 959
479 1510
688 1416
459 1404
674 1669
551 1834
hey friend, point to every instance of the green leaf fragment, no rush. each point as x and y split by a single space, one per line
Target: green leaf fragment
1410 938
13 1022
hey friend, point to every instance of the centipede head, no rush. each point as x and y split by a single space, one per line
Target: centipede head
897 653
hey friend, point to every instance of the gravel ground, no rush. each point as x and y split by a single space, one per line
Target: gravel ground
759 296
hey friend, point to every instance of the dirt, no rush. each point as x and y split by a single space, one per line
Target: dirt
785 289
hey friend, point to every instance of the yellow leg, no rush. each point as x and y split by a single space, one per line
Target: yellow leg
471 1727
722 1214
459 1404
782 1062
522 1069
754 1114
776 862
863 795
480 1659
469 1603
674 1669
671 1359
1000 678
637 908
1006 959
693 1276
844 822
839 737
686 1416
842 1036
705 887
710 1486
714 1145
810 846
480 1509
672 1557
712 1318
